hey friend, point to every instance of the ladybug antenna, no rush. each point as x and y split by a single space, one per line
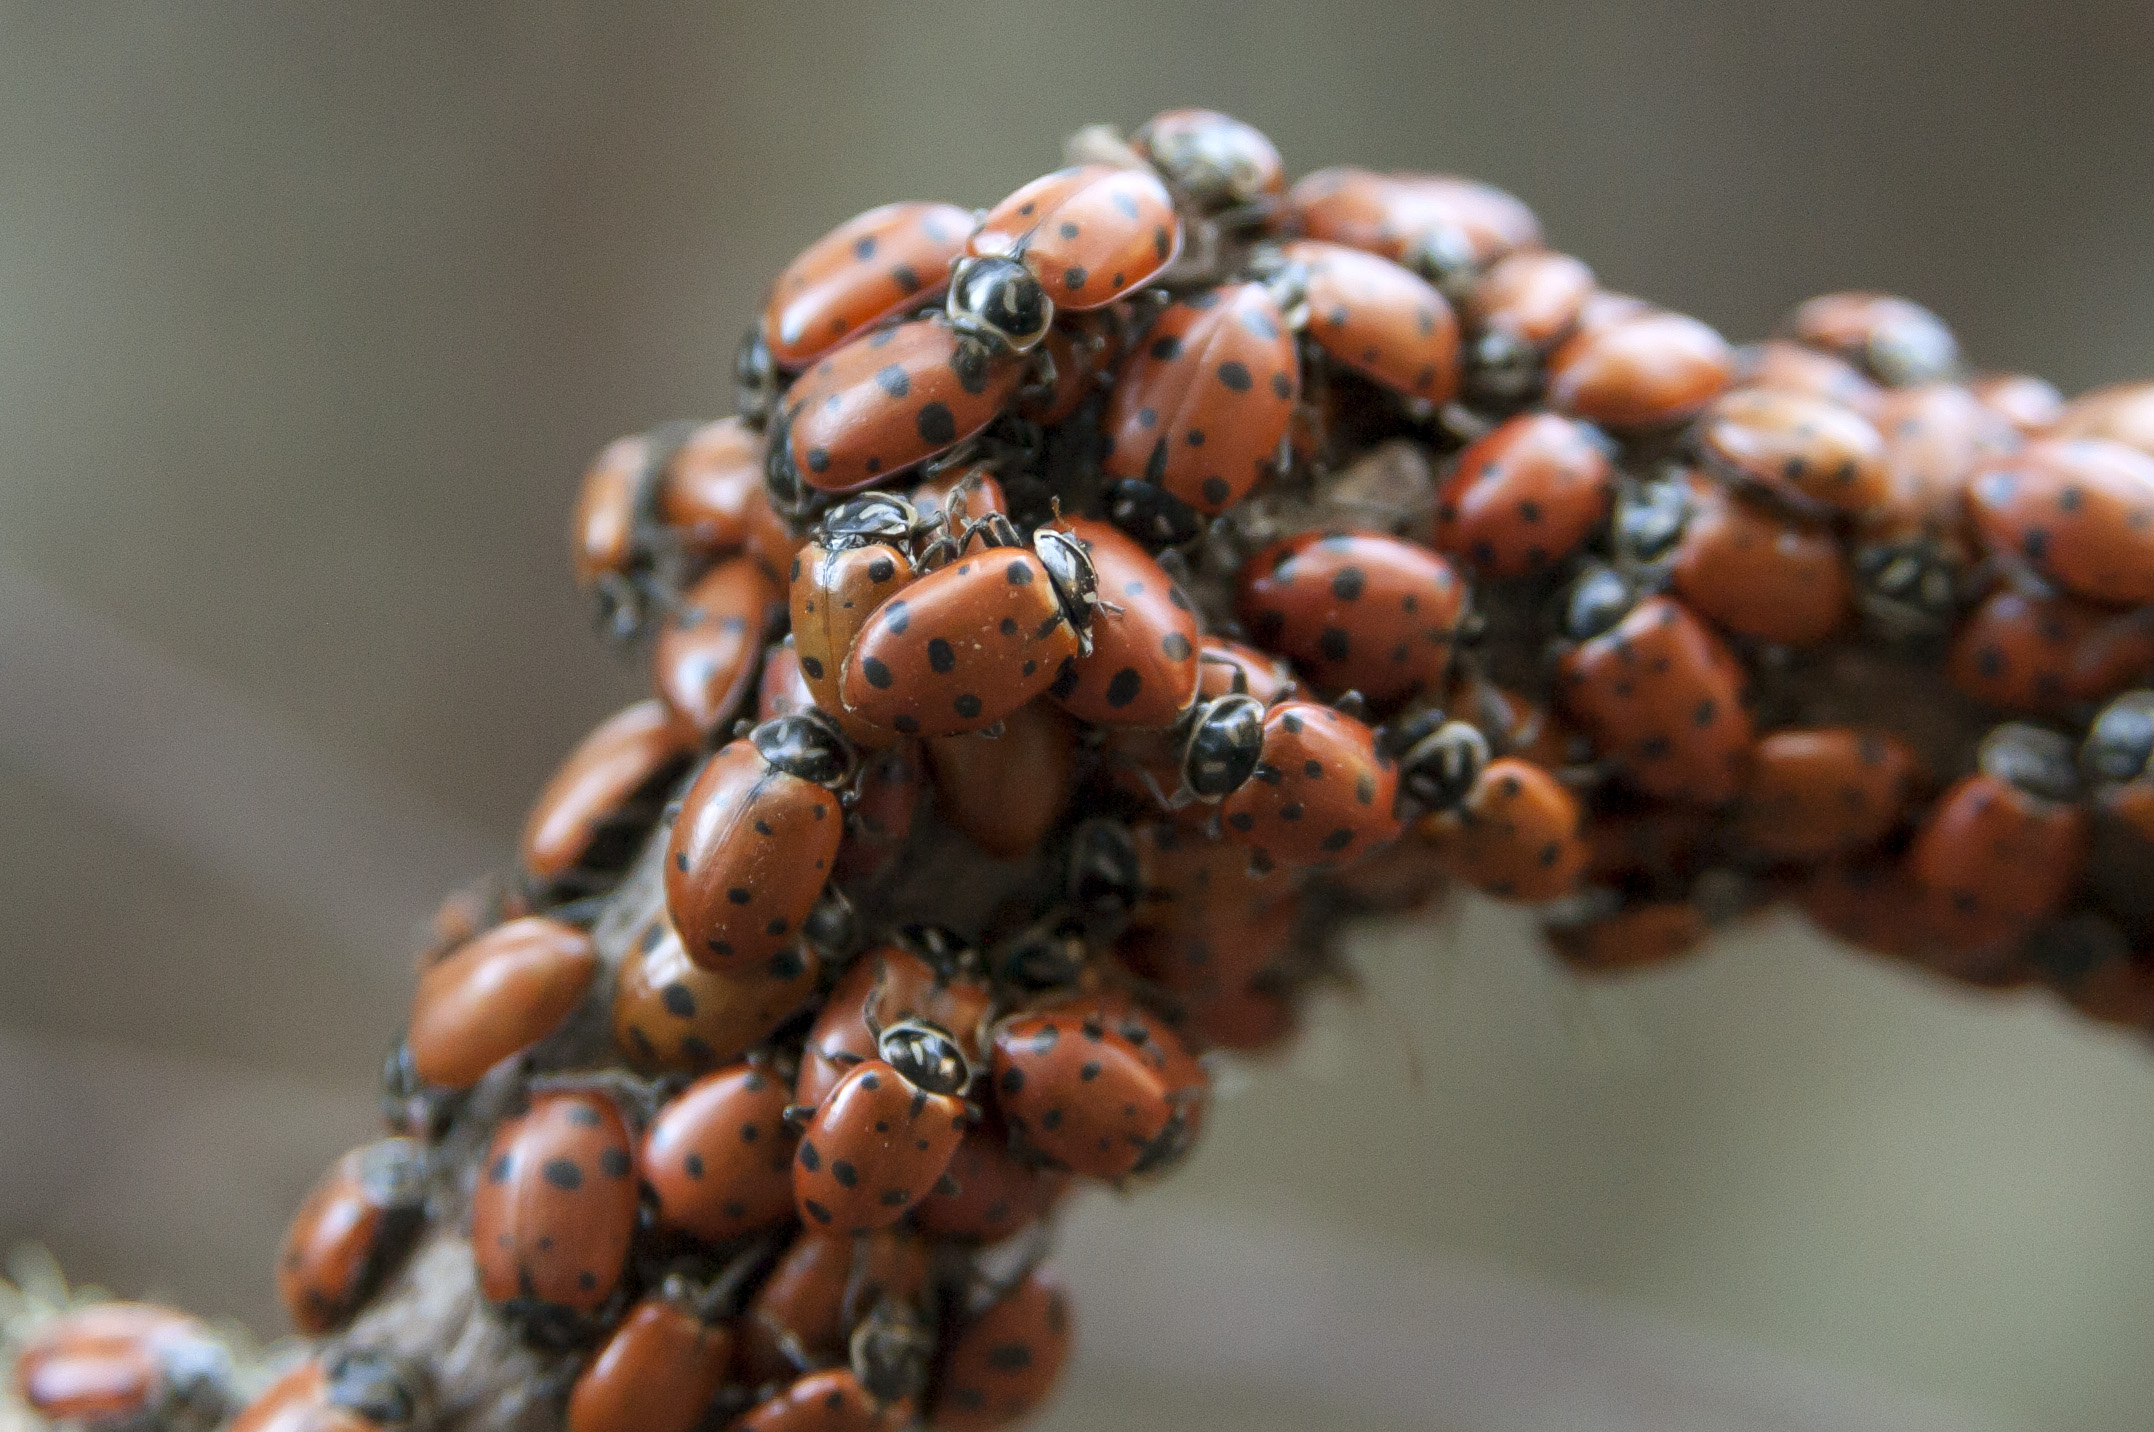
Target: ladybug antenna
924 1054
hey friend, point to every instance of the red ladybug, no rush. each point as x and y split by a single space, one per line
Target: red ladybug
1513 724
499 994
829 1401
823 1286
1003 1364
1780 366
1355 611
657 1372
1211 969
1142 669
1820 793
2079 513
2003 848
671 1014
1089 234
1893 340
358 1220
782 689
931 977
1808 454
1228 668
2122 412
597 807
1322 794
2041 655
1515 835
1525 497
1200 405
117 1364
971 642
1005 793
998 1193
879 1141
1187 877
1632 937
553 1214
1378 319
1661 697
708 491
1099 1087
1649 370
1516 313
885 804
710 646
1444 228
868 268
355 1390
1755 573
609 534
719 1157
958 495
752 847
2030 405
859 555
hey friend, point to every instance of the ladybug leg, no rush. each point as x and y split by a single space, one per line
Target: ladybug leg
1352 703
796 1116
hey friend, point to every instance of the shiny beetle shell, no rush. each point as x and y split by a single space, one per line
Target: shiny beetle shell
2041 655
868 268
1323 794
1758 574
1992 859
1005 793
707 491
554 1211
821 1285
1142 669
1361 611
1380 319
1781 366
888 983
1515 836
1443 227
1816 794
2080 513
2121 412
1002 1366
356 1222
1097 1086
2030 405
1200 405
1213 159
1533 298
1662 697
1634 937
602 799
876 1145
834 592
1895 341
1089 234
656 1372
718 1159
1526 496
501 993
998 1194
116 1363
710 646
1813 455
1647 371
828 1401
671 1014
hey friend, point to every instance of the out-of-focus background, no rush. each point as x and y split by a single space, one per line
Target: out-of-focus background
310 317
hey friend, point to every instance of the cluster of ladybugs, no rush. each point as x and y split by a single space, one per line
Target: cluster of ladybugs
1095 601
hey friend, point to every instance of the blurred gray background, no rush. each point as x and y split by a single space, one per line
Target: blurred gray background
310 317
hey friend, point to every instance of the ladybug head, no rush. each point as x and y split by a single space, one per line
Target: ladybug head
2032 758
1444 255
1048 954
1442 761
889 1352
1215 159
384 1389
1076 585
1104 875
864 521
1225 742
755 378
1909 585
925 1055
2121 741
1649 520
1502 368
809 745
999 299
1598 600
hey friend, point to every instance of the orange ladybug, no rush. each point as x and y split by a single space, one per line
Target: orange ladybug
1323 792
883 1137
709 490
1004 1362
1006 792
1810 455
718 1158
354 1226
670 1013
1142 669
930 977
1524 497
596 808
1755 573
1895 341
553 1214
859 555
1515 836
1089 234
657 1372
2005 847
1649 370
117 1364
710 646
869 268
1359 611
2078 513
1379 319
1817 794
500 994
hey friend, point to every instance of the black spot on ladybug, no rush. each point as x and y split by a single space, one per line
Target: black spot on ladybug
679 1000
1013 1080
1008 626
936 425
813 666
583 1116
871 1082
820 1214
1067 230
693 1165
818 459
775 927
1282 386
1073 279
2035 544
1018 574
1176 646
1089 1071
905 725
562 1174
1337 841
1348 585
906 278
1166 350
895 1197
614 1163
846 1175
811 1158
864 247
1216 491
1194 437
967 706
1066 680
881 569
1235 375
878 675
1708 710
1313 769
739 896
1334 643
1290 811
1123 688
1291 724
940 656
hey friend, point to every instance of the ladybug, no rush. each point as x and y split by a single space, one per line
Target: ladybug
892 399
2031 406
2089 962
1937 436
1514 836
958 495
1089 234
1631 937
1201 404
354 1226
1812 456
1322 793
1186 877
1083 349
718 1159
782 689
830 1401
1753 572
1780 366
1516 312
1512 724
1650 370
885 804
1213 161
671 1014
2078 513
1097 1086
2123 412
113 1364
868 268
1002 1365
2004 848
1891 339
707 492
1228 668
657 1372
496 996
1822 793
608 532
1658 695
553 1214
1872 906
1632 842
1004 793
822 1286
969 643
1142 669
773 540
1444 228
1209 965
710 646
1359 611
752 847
881 1139
1526 496
998 1194
1377 318
929 977
2042 655
356 1390
859 556
596 809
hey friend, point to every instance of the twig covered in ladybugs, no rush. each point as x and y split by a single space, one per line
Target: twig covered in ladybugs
1095 604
